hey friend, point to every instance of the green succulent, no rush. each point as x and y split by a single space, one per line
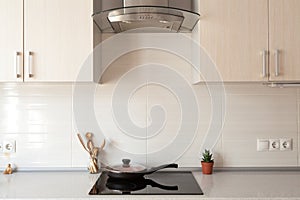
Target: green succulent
207 156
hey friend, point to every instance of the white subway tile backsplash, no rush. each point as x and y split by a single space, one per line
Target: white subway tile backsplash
192 156
38 117
41 119
261 113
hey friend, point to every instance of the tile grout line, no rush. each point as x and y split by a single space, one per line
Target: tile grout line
222 121
72 125
147 102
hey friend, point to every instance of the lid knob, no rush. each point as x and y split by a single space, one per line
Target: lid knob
126 162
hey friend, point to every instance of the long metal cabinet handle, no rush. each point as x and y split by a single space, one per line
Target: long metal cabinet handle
277 67
264 64
29 64
18 64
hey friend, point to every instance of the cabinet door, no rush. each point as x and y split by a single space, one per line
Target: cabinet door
11 40
234 33
284 38
58 33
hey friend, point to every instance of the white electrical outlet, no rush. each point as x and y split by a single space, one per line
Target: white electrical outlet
262 145
286 144
274 145
9 146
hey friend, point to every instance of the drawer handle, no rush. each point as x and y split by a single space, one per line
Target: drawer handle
18 64
30 71
277 67
264 63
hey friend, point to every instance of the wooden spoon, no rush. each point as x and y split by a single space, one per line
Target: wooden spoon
82 143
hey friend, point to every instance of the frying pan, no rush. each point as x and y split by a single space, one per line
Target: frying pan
127 186
127 171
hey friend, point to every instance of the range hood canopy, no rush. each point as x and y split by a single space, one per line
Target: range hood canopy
122 15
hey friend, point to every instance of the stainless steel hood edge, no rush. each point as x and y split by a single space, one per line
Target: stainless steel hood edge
137 14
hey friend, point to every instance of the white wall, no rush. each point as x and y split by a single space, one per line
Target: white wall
259 112
39 117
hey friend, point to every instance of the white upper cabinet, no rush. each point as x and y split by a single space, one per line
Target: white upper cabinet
252 40
11 40
285 40
57 40
234 33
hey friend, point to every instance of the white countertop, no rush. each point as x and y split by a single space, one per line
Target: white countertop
220 185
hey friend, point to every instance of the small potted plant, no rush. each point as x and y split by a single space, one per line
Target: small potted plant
207 162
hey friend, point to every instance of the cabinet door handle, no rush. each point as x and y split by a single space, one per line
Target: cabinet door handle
18 64
29 64
264 63
277 67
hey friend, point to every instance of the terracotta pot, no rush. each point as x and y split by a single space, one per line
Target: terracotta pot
207 167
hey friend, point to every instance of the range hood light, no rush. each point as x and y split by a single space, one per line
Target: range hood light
163 21
127 22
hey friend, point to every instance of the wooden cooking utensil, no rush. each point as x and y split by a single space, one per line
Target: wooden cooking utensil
82 143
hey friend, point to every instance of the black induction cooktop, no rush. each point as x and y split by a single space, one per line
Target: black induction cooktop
159 183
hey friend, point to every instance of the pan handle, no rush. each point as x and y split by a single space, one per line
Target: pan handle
154 169
164 187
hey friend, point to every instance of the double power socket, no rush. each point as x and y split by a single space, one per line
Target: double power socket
8 146
282 144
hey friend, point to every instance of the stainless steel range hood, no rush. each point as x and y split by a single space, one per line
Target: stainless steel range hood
122 15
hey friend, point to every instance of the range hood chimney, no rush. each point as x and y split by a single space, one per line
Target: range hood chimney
122 15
